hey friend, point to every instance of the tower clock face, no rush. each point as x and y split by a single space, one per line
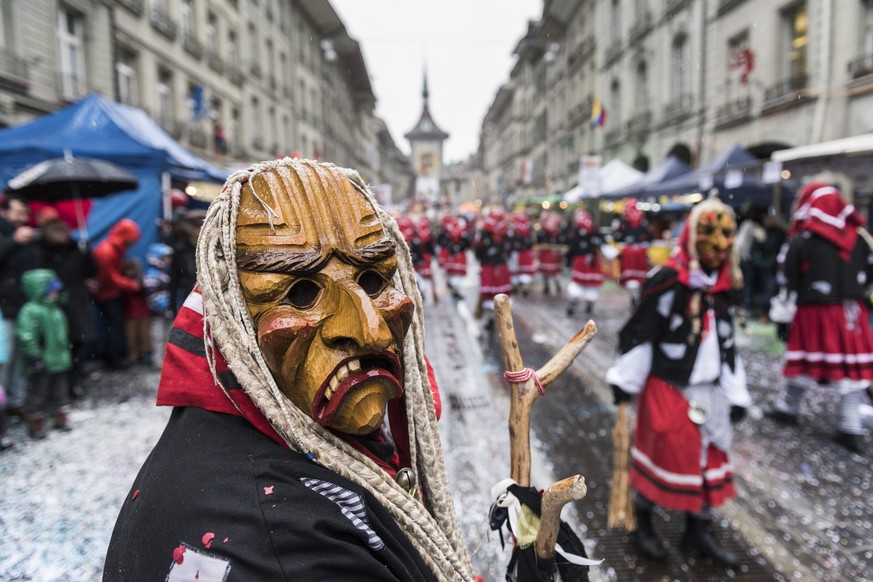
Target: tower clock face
426 162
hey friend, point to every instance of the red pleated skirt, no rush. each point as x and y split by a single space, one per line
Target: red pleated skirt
587 271
830 342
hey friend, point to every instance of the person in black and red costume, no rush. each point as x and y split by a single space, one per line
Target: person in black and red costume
550 252
678 355
583 255
634 235
493 247
824 278
524 263
454 240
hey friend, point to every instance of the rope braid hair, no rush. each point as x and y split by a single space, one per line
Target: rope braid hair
430 526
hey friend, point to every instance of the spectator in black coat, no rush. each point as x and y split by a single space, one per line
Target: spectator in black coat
74 264
17 255
183 269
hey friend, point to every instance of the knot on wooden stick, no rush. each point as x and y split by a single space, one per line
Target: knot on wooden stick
524 376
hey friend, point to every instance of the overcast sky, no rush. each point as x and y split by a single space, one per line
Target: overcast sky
466 44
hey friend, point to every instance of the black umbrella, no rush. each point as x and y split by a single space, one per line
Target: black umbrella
70 178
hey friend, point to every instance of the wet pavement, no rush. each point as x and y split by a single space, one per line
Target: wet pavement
804 510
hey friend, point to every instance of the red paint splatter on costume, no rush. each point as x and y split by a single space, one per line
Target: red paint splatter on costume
179 554
268 490
135 493
207 539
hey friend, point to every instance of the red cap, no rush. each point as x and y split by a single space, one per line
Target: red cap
45 215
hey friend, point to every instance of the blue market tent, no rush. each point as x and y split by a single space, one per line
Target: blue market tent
736 174
98 128
670 168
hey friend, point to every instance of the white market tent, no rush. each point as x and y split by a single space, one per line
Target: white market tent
848 146
613 176
850 156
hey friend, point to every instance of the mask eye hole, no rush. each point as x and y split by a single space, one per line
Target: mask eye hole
371 282
303 293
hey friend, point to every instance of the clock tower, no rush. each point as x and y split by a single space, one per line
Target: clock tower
426 142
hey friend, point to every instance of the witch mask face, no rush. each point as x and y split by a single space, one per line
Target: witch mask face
714 237
317 283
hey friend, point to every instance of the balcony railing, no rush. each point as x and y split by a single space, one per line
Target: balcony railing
14 71
861 66
197 138
215 62
613 51
727 5
162 22
674 6
235 75
176 129
678 108
581 53
614 135
135 6
734 112
786 88
193 46
640 123
70 86
641 26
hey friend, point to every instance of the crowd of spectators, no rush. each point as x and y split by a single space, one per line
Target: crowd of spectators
68 309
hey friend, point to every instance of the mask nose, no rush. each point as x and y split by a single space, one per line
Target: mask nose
356 321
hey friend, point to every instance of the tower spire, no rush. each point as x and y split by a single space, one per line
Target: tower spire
424 91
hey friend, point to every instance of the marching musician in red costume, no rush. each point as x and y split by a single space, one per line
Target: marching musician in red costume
583 244
492 247
524 263
550 251
634 235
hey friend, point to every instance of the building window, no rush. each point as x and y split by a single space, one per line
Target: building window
125 68
232 51
642 94
739 66
71 40
257 123
615 102
234 131
642 7
165 99
211 34
253 44
615 21
868 30
681 68
795 44
188 18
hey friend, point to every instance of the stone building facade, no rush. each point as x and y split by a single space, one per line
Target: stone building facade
687 77
233 80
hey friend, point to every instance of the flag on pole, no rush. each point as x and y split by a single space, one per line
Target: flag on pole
598 113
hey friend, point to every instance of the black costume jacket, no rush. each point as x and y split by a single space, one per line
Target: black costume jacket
662 319
628 234
580 242
813 268
237 500
491 252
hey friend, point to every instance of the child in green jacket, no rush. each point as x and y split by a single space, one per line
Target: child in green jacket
44 342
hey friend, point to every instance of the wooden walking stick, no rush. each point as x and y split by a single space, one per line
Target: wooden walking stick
525 387
620 515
